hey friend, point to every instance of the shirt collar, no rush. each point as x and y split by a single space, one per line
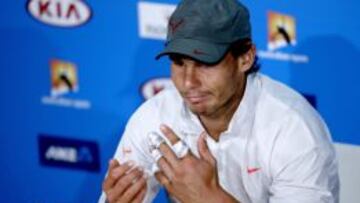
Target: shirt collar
242 119
244 115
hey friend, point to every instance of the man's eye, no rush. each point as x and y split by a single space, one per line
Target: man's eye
206 66
178 62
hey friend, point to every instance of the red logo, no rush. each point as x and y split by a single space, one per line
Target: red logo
175 25
126 150
252 170
198 52
63 13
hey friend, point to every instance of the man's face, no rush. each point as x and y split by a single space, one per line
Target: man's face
207 89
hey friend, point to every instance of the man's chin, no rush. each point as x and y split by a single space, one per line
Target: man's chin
198 109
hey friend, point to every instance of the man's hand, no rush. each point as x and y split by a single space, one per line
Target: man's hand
124 183
190 179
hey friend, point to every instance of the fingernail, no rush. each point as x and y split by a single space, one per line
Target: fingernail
130 163
163 127
116 173
110 162
145 176
141 169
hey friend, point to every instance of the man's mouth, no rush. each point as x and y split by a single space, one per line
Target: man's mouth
195 98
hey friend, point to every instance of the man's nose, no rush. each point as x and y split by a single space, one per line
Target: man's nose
191 79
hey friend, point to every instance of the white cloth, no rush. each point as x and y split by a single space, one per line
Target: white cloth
155 139
277 148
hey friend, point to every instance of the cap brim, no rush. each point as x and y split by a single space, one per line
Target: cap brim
202 51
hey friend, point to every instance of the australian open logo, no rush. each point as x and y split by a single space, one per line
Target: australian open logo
63 77
281 30
64 83
62 13
282 39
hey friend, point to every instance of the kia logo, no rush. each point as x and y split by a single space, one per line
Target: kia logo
62 13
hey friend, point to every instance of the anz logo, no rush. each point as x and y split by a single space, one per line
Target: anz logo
61 13
70 153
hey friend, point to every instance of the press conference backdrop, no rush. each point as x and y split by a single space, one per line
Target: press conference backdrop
73 71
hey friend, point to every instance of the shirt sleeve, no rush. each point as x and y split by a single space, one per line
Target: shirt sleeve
134 146
303 164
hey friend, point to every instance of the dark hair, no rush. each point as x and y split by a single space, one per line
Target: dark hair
241 47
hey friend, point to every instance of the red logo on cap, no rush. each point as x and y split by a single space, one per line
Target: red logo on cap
198 52
175 25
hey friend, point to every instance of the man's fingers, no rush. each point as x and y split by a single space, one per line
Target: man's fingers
140 196
122 169
166 182
178 146
169 154
115 172
163 180
204 149
169 133
113 163
165 167
134 190
123 183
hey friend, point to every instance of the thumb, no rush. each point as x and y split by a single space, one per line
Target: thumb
204 149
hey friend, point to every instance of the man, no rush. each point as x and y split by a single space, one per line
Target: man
225 133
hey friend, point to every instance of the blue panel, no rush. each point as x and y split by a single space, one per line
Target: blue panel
111 62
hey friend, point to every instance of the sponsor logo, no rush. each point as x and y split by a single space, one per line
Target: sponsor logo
174 25
281 34
62 13
153 20
281 31
252 170
63 77
154 86
126 150
64 81
198 52
126 153
70 153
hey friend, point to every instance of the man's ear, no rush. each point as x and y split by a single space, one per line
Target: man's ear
246 60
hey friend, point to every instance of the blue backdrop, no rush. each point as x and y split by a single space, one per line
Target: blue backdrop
111 63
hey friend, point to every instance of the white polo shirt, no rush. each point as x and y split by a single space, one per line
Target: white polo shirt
277 148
